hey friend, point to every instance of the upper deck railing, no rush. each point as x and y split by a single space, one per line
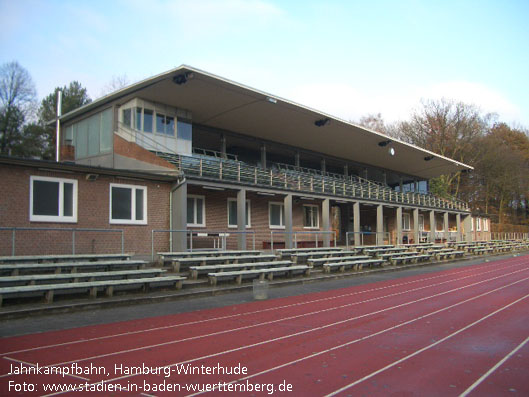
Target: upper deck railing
290 179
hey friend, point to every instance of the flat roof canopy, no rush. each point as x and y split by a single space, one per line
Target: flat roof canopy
224 104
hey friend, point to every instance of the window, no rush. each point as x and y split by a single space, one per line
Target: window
276 215
164 124
232 213
128 204
485 225
471 224
406 222
478 224
310 217
53 199
196 211
421 223
93 135
127 117
138 119
147 120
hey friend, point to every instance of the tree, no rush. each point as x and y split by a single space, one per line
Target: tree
17 105
73 97
115 84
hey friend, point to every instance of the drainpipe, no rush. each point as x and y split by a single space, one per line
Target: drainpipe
171 211
59 114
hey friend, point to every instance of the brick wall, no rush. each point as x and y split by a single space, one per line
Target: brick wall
93 212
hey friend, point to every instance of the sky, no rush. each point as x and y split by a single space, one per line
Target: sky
346 58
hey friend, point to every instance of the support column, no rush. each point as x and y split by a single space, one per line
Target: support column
263 156
241 219
380 224
326 221
399 225
446 226
179 217
432 226
223 145
416 236
467 225
323 166
401 184
346 170
356 224
288 220
458 227
297 159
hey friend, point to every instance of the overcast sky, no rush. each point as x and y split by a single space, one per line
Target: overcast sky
346 58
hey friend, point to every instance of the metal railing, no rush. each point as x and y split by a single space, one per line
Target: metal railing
72 230
219 238
349 187
316 233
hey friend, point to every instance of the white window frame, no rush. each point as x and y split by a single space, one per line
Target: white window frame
485 224
478 224
54 218
471 224
406 215
132 203
248 218
281 215
195 197
317 226
421 223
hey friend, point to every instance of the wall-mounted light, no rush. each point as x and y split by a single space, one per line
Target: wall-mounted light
271 100
391 151
182 78
428 158
322 122
384 143
91 177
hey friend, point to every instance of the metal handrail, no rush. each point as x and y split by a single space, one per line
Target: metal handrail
61 229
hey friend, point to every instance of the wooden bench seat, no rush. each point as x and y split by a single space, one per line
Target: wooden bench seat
389 255
63 258
287 252
321 254
321 261
448 254
73 267
355 265
165 257
481 251
395 260
49 290
377 251
196 271
11 281
261 273
205 260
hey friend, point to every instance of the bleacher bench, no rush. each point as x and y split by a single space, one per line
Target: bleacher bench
49 290
449 254
204 260
355 265
321 254
10 281
15 269
321 261
168 256
196 271
287 252
261 273
395 260
63 258
482 251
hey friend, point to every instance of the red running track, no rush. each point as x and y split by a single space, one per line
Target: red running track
459 332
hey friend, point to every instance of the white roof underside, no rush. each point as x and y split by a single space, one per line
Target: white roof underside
224 104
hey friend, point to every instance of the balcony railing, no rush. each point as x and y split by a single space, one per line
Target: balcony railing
349 187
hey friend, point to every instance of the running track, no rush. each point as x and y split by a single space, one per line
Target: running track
459 332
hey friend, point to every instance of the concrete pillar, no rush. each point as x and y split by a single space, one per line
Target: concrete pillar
323 166
416 186
458 227
401 184
241 219
356 224
288 220
365 174
446 226
380 224
263 156
223 145
346 170
179 217
326 221
297 160
432 226
385 178
467 225
416 236
399 225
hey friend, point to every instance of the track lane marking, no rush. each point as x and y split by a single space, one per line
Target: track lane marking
494 368
487 265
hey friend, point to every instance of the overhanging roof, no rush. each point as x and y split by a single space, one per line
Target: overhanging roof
224 104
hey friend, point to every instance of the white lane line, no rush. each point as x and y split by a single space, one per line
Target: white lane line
494 368
320 328
172 342
59 371
370 335
426 347
231 316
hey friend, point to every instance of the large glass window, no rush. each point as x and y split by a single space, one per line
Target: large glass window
127 117
406 222
164 124
147 120
128 204
196 212
53 199
310 216
93 135
276 215
232 213
184 130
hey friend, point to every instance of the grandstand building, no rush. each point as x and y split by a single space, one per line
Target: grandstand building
223 165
